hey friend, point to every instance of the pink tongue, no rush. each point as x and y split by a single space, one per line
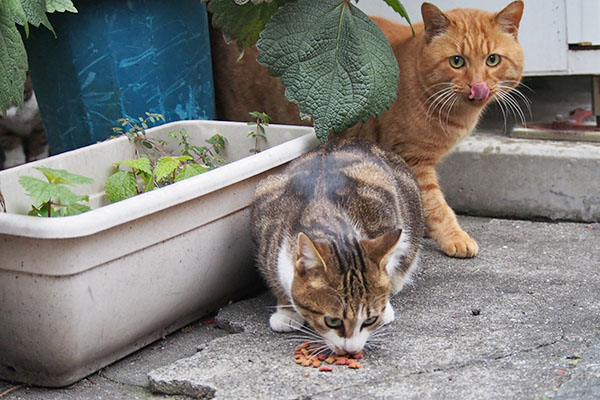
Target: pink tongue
479 91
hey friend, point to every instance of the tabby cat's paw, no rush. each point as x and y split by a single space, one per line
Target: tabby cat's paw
284 320
459 244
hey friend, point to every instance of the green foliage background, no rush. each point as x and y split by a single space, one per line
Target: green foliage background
333 60
13 59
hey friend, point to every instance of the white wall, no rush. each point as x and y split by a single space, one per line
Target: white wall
543 33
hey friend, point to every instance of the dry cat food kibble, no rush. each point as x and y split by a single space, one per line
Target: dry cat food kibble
308 355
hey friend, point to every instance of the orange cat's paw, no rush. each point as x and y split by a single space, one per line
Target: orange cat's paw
460 245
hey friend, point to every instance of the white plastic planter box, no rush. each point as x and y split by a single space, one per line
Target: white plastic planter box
79 292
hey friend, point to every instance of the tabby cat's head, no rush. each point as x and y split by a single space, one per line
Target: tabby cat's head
473 54
342 290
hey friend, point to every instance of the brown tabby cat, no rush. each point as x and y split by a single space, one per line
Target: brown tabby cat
22 134
458 62
335 233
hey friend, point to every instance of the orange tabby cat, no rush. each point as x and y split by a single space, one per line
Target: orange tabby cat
457 63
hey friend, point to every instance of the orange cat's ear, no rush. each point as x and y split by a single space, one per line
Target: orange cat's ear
434 20
510 17
310 255
380 248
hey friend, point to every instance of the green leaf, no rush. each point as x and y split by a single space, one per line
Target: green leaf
13 61
399 8
165 167
35 10
43 192
63 195
190 170
63 176
242 22
333 60
74 209
141 164
60 6
120 186
14 9
43 211
37 189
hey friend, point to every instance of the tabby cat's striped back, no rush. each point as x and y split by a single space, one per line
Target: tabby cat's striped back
335 233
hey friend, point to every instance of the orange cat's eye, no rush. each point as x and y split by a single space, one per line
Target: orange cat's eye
493 60
457 61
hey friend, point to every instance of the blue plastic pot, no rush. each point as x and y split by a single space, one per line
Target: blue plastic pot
119 58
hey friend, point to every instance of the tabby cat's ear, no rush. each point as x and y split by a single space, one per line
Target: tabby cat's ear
435 21
380 248
510 17
310 255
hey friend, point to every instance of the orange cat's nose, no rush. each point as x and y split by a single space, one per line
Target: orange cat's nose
479 91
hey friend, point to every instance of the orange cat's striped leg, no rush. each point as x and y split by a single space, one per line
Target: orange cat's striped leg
441 220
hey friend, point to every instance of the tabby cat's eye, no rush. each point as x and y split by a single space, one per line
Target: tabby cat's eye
332 322
369 321
493 60
457 61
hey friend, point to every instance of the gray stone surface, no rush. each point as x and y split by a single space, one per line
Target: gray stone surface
585 382
492 175
536 285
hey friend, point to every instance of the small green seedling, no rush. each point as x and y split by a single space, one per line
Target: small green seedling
260 120
53 198
159 168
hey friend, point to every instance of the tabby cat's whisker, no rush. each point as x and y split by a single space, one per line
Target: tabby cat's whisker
303 328
284 306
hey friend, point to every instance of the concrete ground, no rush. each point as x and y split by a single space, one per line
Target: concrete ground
520 321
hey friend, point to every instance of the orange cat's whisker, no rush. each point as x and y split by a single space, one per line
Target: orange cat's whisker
501 106
520 95
512 104
443 95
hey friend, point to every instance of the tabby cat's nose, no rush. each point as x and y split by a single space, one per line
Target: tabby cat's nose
479 91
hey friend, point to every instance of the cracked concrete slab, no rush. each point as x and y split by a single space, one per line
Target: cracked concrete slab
585 382
523 178
505 324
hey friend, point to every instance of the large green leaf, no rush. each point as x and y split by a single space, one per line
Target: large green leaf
190 170
35 10
37 189
74 209
60 6
62 176
242 22
399 8
141 164
165 167
333 60
43 192
14 9
13 61
120 186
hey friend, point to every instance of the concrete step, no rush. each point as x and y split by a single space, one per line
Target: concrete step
496 176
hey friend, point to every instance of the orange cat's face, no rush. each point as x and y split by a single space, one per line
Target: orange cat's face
472 54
